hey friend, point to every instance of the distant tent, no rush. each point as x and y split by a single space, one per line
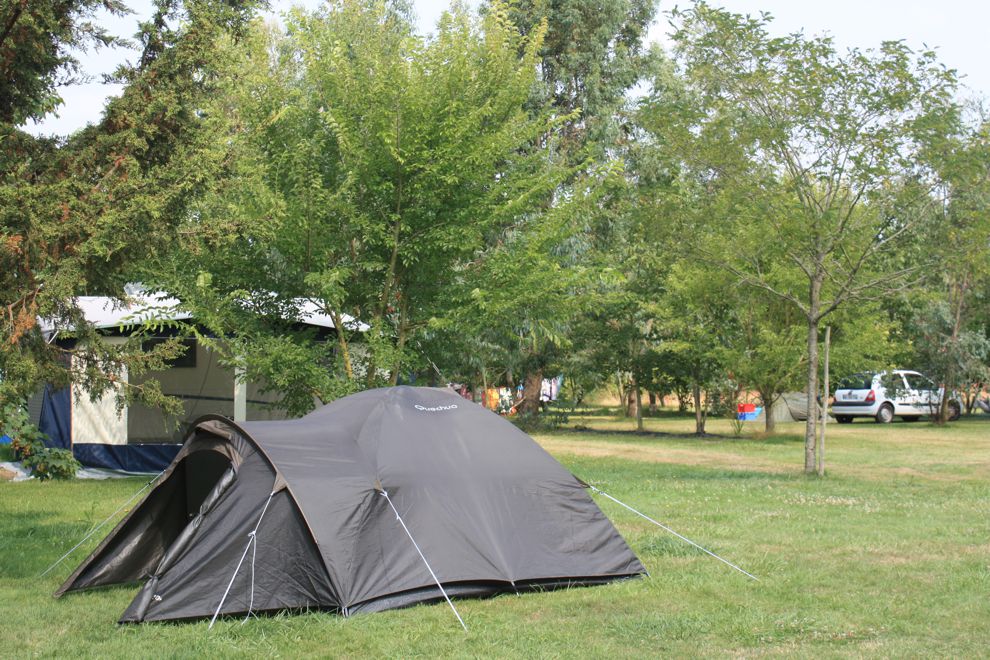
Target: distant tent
791 407
486 506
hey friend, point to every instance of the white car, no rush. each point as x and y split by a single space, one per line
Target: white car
885 395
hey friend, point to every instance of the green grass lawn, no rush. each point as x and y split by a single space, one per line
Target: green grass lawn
889 555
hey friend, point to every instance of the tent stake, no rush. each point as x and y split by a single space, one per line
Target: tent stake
421 556
683 538
98 527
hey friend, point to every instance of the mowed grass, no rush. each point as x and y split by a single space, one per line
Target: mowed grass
887 556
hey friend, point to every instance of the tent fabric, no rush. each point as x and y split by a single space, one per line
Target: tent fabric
56 417
491 510
139 459
56 423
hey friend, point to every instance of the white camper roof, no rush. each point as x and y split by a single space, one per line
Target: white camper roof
105 312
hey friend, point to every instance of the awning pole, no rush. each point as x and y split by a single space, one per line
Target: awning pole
683 538
421 556
252 539
98 527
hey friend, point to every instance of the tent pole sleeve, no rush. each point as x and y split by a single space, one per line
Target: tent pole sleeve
421 556
252 536
100 526
683 538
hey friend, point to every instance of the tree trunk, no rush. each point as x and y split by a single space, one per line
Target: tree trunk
622 392
825 388
943 407
699 414
530 404
769 423
653 402
401 343
391 276
345 352
639 408
969 399
958 294
811 425
631 402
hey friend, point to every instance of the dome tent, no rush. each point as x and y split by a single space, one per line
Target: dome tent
488 508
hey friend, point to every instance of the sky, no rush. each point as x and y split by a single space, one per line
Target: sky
957 29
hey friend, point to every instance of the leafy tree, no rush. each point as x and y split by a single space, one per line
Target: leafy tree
73 208
799 150
694 328
947 317
37 41
375 171
592 55
764 349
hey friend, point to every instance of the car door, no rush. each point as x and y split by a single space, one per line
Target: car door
917 395
928 394
899 391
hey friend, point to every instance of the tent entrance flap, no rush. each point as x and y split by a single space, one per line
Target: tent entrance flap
135 548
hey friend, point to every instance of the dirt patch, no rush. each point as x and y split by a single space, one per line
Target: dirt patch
975 471
647 434
659 454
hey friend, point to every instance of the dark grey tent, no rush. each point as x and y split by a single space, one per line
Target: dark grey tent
490 510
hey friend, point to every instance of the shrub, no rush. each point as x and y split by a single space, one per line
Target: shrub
52 463
28 446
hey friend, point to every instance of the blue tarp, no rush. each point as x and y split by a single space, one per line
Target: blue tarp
56 417
127 458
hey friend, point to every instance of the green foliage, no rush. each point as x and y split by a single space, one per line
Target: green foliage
26 440
28 446
372 167
78 214
592 55
803 163
51 463
946 320
37 40
954 356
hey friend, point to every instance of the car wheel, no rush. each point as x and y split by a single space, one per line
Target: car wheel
955 410
843 419
886 414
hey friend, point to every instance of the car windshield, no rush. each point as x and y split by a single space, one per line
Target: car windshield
857 382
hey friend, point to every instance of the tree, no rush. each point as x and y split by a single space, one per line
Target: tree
694 326
72 208
386 165
592 55
947 317
37 40
800 149
764 351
